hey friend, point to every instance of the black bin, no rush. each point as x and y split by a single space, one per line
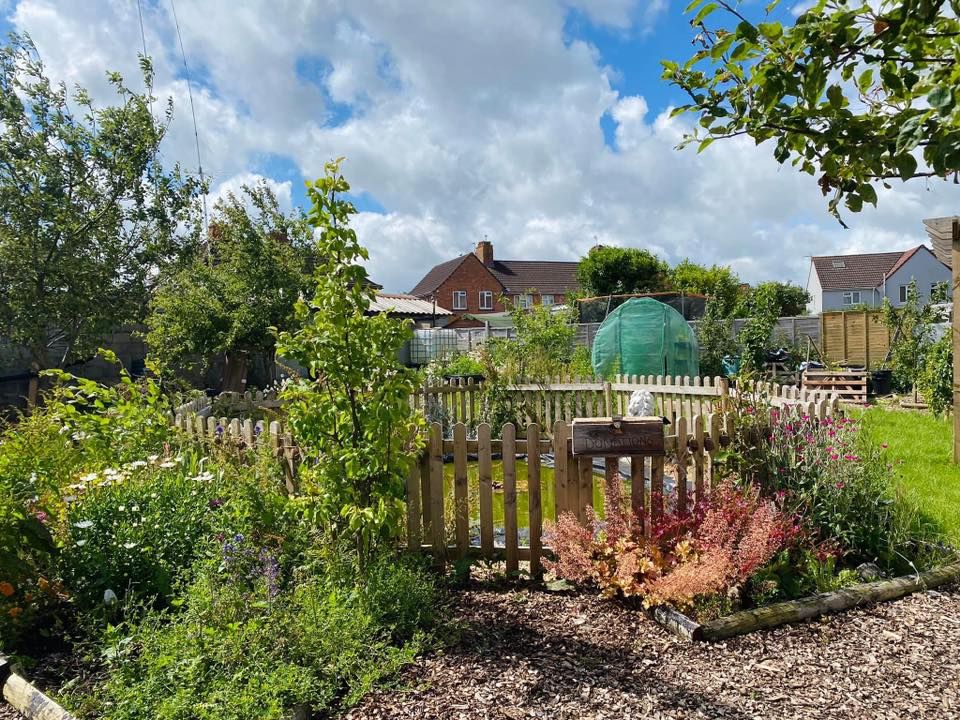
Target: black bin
881 382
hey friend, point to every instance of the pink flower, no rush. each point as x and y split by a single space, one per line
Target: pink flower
884 446
851 457
834 456
841 485
41 516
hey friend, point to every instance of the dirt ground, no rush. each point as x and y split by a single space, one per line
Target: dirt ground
535 654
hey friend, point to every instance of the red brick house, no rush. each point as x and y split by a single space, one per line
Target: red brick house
476 283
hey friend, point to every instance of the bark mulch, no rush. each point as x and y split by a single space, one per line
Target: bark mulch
535 654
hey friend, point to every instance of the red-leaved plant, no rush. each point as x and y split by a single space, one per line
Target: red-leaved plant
727 538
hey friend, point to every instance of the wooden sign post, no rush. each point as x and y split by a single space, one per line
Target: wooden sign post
618 437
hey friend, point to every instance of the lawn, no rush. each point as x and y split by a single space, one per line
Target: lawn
921 448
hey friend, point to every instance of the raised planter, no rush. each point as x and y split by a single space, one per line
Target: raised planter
745 621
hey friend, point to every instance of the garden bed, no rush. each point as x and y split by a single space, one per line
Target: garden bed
792 611
535 654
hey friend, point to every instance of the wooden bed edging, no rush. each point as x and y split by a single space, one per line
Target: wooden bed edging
791 611
26 699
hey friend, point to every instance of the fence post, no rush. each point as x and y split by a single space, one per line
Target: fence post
511 541
461 511
534 505
438 534
607 398
486 489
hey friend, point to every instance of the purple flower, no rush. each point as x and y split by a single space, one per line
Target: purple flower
219 430
215 503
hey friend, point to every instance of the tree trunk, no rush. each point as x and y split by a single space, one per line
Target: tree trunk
235 372
33 387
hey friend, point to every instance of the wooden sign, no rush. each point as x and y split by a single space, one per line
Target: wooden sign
618 437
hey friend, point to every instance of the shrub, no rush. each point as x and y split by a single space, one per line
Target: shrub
687 560
935 380
840 484
242 649
135 529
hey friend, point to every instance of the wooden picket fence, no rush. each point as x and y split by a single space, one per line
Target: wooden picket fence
564 398
691 449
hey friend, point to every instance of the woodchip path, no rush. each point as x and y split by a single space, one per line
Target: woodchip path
533 654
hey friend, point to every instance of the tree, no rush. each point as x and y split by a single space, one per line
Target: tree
719 282
715 339
787 299
352 415
226 298
858 93
618 270
87 213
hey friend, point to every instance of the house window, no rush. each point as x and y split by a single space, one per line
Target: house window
524 301
546 300
903 293
486 300
851 297
459 299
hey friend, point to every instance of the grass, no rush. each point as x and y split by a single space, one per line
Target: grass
921 449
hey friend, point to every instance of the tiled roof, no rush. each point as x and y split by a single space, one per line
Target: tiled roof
903 259
438 273
552 278
845 272
402 304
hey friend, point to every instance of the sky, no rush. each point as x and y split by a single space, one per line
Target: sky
541 125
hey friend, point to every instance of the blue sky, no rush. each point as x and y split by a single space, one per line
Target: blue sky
540 124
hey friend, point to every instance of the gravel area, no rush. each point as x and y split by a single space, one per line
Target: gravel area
534 654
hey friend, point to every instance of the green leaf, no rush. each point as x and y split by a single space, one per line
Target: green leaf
704 12
865 81
692 6
868 194
770 30
721 46
940 98
704 144
906 165
740 51
911 131
747 31
835 96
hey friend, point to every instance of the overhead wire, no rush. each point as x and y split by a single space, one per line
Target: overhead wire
193 113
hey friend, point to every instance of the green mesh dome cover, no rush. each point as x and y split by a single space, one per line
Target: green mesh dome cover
645 337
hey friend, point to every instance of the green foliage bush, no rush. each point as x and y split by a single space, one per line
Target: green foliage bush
935 379
841 484
312 636
715 339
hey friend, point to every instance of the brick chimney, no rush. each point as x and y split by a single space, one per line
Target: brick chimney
484 251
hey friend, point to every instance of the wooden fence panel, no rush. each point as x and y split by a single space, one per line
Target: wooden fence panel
855 336
534 509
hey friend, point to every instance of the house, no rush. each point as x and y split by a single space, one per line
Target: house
842 282
476 283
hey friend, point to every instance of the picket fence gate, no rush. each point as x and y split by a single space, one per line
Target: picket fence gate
691 449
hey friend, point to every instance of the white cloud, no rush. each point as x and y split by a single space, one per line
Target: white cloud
234 185
464 122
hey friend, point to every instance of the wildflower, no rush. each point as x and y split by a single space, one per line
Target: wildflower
136 464
153 458
834 456
84 524
219 430
6 589
215 503
841 485
852 458
90 477
167 464
41 516
884 445
14 612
